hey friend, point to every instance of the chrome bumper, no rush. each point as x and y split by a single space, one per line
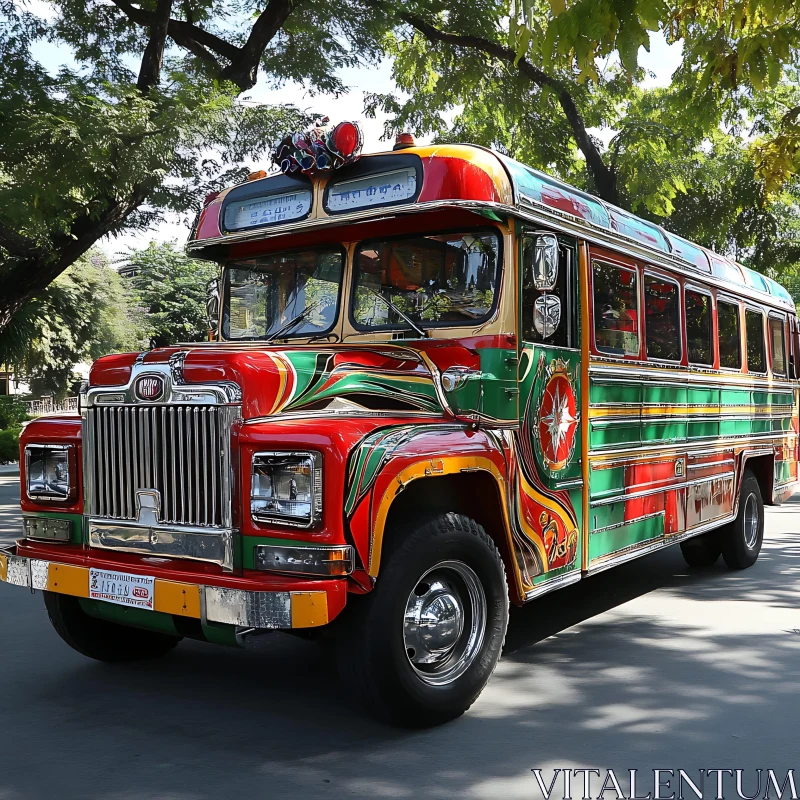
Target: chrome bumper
214 545
220 604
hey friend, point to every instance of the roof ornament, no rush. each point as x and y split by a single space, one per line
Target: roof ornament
319 148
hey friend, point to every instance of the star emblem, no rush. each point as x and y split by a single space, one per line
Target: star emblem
558 422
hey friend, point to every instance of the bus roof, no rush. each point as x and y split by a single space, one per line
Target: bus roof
466 174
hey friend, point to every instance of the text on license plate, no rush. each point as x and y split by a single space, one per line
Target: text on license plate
137 591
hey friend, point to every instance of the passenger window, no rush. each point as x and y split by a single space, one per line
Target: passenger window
699 328
754 327
730 355
662 319
777 345
616 310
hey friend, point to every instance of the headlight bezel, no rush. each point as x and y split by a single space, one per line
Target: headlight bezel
273 516
44 497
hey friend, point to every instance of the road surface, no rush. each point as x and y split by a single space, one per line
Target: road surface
646 666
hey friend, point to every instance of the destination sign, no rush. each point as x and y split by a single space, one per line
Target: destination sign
268 210
374 190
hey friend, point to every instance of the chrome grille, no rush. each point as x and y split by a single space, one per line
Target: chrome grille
182 451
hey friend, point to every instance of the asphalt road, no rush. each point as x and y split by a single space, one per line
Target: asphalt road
647 666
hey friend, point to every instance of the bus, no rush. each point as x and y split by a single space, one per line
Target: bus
438 382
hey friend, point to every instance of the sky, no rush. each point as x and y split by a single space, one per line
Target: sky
661 61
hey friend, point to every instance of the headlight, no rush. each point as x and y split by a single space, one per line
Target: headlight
287 488
47 471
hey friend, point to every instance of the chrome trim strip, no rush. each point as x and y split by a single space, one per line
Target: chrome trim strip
663 541
553 583
195 544
723 443
629 522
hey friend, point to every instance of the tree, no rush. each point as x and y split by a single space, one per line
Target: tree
90 152
171 289
84 314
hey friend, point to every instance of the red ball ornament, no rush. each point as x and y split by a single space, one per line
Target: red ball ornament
345 139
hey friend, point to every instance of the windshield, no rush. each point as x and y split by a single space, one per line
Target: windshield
282 295
448 279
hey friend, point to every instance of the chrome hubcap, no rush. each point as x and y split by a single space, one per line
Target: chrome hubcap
750 522
444 622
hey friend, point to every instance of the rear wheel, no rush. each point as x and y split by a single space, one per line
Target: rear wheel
741 540
701 551
102 640
419 649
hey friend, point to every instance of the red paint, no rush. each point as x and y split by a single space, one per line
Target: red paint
114 370
208 224
447 178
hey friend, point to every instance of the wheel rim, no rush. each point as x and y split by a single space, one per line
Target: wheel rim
750 522
444 622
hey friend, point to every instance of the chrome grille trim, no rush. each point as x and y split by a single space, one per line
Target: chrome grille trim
132 447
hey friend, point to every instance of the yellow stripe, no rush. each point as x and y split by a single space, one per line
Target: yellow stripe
585 411
3 567
655 410
67 579
309 609
181 599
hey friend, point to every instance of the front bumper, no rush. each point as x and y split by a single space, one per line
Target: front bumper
227 605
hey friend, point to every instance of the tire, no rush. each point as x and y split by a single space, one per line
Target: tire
412 675
102 640
741 540
701 551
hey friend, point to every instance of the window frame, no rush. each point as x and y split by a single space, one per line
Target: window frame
756 310
735 302
706 292
357 244
637 271
647 272
774 315
225 293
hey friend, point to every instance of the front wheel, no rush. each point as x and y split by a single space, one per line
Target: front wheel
419 649
701 551
102 640
741 540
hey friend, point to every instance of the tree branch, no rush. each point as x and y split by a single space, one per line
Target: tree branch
184 34
153 56
243 70
604 177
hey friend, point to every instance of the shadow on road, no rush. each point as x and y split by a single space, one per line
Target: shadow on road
649 665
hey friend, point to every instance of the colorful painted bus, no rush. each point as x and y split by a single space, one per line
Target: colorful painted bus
440 381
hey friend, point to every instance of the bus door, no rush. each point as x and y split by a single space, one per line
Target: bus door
548 442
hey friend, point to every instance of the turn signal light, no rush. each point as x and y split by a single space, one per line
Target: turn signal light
334 561
254 176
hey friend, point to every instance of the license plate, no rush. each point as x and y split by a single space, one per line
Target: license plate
137 591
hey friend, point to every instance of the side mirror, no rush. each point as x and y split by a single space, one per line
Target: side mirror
212 305
546 315
544 261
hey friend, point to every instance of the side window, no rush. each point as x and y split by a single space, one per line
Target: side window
546 313
754 328
662 329
699 328
730 356
777 345
616 310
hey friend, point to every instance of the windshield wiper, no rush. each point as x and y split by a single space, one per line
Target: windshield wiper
420 330
293 321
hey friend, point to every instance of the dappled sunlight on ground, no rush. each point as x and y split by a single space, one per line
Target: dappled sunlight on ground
650 665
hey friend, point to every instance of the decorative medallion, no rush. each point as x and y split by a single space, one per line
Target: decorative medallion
149 387
558 417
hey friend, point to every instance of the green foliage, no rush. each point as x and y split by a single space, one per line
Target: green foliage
85 313
12 412
170 288
9 444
